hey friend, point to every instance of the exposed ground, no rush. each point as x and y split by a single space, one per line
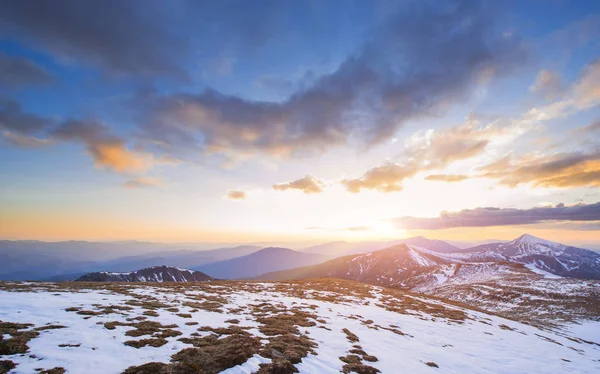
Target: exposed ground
312 326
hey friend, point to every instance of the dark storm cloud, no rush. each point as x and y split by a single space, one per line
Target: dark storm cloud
422 60
481 217
139 37
116 36
18 72
13 118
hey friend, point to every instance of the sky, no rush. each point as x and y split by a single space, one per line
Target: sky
238 121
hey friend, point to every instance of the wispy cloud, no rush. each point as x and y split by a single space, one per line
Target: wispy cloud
548 84
25 141
588 129
144 183
432 151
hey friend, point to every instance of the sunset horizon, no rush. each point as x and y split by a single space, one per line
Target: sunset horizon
299 186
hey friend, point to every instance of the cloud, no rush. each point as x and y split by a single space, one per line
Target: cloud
308 185
589 129
483 217
115 36
18 72
435 150
143 38
236 195
385 178
548 84
405 71
447 177
143 183
580 95
107 150
575 169
25 141
14 119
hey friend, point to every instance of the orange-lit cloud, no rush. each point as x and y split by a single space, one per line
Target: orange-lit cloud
236 195
385 178
447 177
435 150
116 156
558 170
308 185
108 150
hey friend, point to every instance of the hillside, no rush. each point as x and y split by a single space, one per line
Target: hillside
493 282
310 327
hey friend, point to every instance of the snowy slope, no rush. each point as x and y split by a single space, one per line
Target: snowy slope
151 274
494 283
392 328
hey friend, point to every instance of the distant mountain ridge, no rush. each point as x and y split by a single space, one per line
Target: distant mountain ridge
151 274
36 260
260 262
342 248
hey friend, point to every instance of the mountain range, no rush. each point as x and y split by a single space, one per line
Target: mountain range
412 266
31 260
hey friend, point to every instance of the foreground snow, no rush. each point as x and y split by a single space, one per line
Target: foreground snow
400 330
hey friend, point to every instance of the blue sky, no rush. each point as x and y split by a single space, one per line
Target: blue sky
288 120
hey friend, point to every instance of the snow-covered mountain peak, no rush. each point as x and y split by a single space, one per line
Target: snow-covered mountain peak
530 239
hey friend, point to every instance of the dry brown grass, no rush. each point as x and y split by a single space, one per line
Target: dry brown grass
352 338
359 368
152 342
6 366
277 367
56 370
17 343
50 327
210 355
